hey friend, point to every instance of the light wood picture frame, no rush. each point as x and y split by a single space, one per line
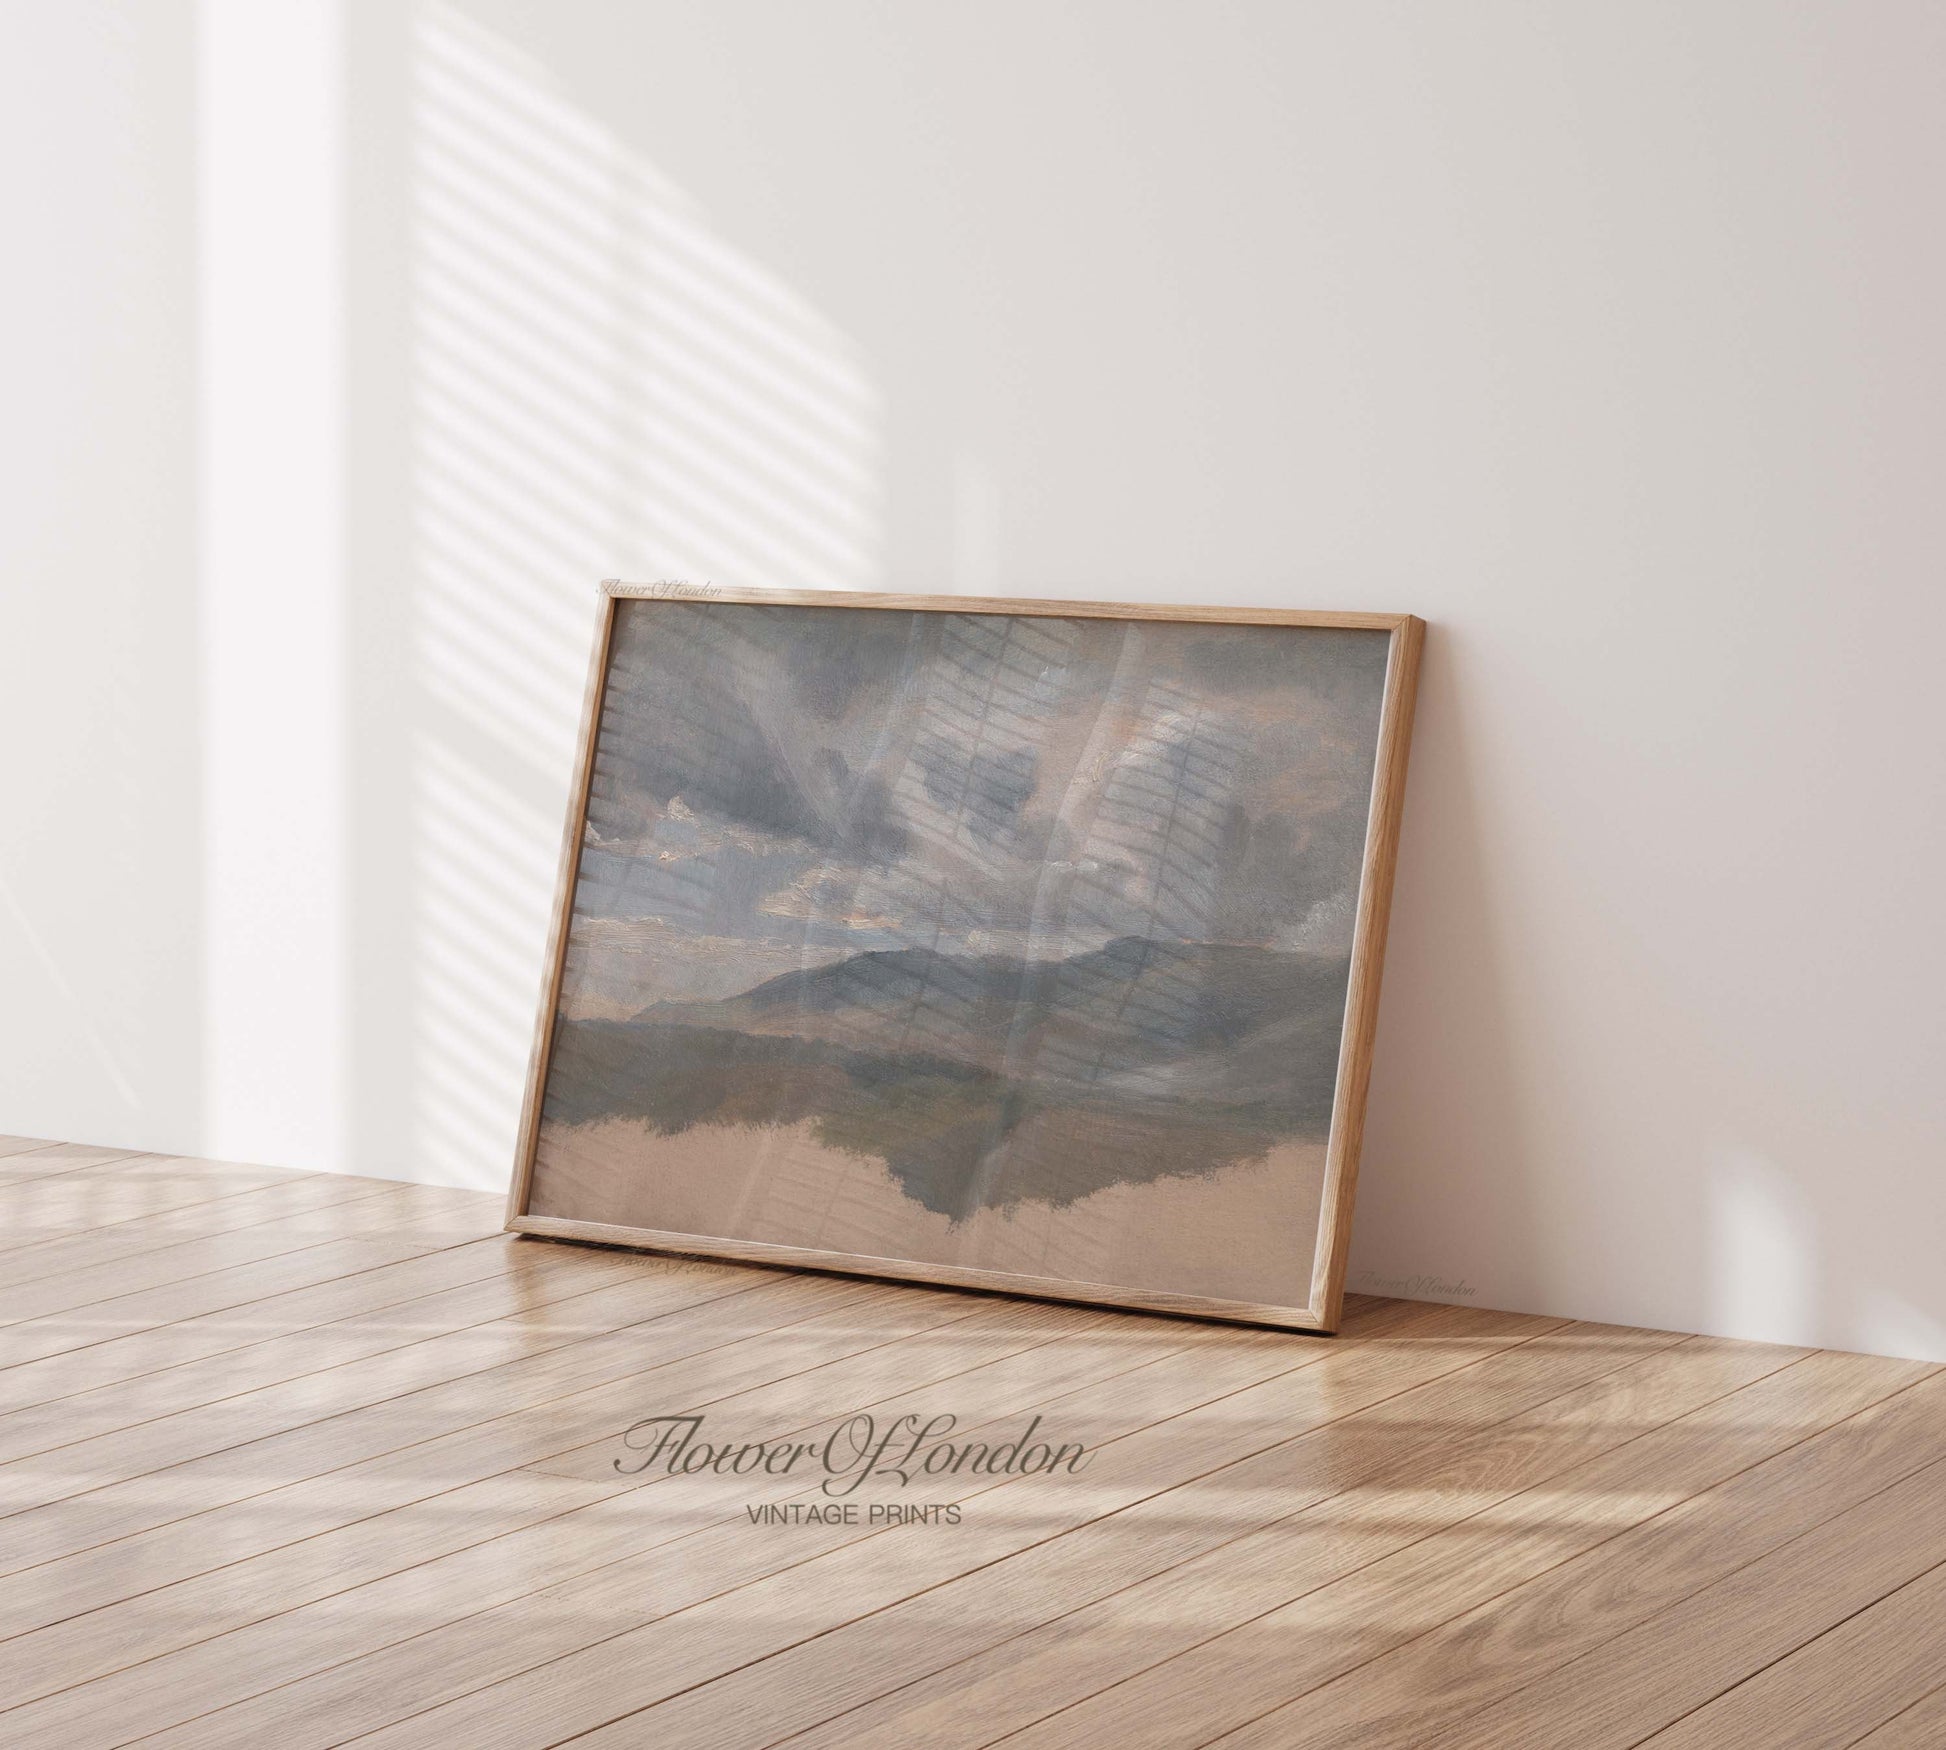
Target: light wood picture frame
1020 945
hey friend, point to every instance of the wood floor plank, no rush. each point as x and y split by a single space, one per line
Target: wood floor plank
66 1204
109 1470
996 1360
50 1159
106 1243
306 1460
1859 1674
1135 1370
315 1261
378 1231
425 1635
1177 1442
352 1501
1920 1727
1720 1634
404 1211
85 1367
1404 1698
821 1677
1247 1672
528 1281
549 1354
302 1266
1470 1462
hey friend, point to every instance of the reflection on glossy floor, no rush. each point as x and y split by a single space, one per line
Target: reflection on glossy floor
308 1460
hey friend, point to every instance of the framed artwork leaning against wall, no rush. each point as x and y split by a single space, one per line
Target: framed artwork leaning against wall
1019 945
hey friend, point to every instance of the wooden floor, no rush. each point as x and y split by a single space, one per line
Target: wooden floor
303 1460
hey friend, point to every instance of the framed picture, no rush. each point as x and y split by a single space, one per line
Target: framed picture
1018 945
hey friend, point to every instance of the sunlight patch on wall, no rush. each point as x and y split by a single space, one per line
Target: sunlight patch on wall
1762 1263
602 385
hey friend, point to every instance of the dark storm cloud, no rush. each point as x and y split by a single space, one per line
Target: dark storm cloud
985 789
838 654
837 773
707 715
1336 665
1280 867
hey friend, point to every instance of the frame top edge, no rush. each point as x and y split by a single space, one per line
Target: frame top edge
676 591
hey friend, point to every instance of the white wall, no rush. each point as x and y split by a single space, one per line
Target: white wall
346 346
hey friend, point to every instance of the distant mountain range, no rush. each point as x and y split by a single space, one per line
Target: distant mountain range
989 1079
1133 1006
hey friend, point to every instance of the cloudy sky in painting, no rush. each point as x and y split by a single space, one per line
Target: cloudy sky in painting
782 786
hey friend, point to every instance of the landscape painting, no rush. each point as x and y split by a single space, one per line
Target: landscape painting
977 945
